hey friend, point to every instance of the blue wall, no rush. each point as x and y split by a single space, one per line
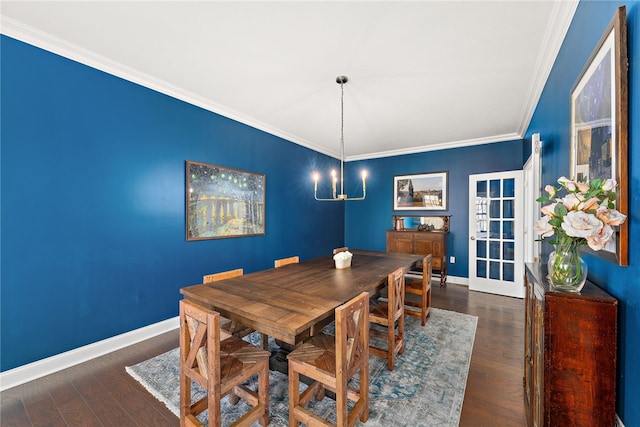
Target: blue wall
552 120
366 222
92 196
93 205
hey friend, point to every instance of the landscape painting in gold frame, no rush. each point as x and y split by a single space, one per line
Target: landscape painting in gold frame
223 202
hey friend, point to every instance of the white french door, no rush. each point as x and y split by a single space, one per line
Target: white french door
496 247
532 190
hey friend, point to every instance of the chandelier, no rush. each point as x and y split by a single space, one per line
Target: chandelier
334 178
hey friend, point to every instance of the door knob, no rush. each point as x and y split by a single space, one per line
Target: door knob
473 238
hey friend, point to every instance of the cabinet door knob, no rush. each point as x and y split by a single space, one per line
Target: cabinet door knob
473 238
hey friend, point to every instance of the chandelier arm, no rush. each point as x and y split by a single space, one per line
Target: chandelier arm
338 199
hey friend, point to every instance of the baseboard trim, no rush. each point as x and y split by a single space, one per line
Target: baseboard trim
25 373
464 281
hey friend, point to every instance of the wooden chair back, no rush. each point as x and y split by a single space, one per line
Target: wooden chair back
388 314
352 337
199 340
210 278
421 288
396 295
202 356
285 261
331 361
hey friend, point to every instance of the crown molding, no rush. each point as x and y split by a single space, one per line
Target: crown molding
554 34
434 147
43 40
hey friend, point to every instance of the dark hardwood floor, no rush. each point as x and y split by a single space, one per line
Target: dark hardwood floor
100 393
495 394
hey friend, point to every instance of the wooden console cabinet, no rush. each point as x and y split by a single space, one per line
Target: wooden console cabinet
570 354
422 242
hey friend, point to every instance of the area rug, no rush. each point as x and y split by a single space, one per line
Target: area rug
426 387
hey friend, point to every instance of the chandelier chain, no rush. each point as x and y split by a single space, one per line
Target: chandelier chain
342 137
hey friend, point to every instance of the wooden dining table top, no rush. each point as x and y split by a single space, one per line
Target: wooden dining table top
290 302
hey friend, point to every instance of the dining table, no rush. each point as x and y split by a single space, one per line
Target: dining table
293 302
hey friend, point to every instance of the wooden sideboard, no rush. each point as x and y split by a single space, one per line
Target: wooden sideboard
422 242
570 354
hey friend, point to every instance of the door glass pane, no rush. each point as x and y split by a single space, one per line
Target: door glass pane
494 188
509 187
494 270
507 208
494 230
494 209
508 272
508 251
481 248
481 189
507 229
481 268
481 217
494 250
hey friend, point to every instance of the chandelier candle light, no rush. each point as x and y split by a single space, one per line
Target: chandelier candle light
585 215
334 176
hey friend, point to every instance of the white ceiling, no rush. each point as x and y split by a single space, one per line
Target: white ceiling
423 75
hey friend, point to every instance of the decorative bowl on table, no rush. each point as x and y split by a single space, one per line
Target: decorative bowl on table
343 259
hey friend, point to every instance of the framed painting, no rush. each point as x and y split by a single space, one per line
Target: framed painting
223 202
599 126
421 192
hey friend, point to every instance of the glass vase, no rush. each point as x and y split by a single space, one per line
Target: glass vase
567 271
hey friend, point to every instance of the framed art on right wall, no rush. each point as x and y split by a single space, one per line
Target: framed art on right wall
421 192
599 124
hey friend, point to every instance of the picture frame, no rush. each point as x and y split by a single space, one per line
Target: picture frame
223 202
599 124
421 192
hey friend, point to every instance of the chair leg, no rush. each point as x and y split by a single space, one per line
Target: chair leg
263 393
342 413
401 333
364 392
391 340
423 312
185 381
213 397
185 397
294 396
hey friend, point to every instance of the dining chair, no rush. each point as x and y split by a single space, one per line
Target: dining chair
343 249
220 368
422 288
285 261
231 327
388 314
331 361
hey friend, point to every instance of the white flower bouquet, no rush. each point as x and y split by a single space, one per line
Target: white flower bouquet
585 215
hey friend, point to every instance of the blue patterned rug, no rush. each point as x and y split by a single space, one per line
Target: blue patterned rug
426 387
